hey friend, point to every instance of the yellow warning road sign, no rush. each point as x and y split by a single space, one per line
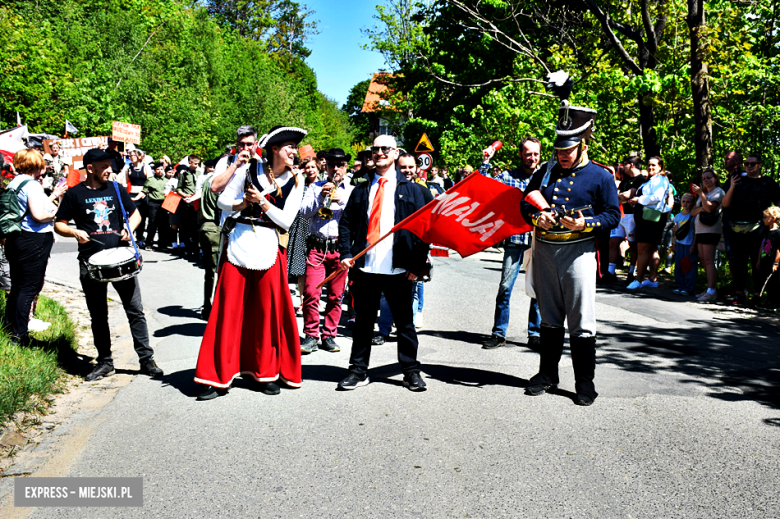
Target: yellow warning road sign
424 146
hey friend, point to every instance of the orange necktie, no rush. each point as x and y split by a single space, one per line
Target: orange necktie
376 214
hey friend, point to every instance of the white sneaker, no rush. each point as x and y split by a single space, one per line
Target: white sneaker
634 285
649 284
36 325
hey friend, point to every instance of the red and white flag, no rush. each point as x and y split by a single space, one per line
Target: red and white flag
471 216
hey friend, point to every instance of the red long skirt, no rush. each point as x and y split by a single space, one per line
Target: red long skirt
252 328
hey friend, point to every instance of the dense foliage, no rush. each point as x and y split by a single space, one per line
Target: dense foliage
469 75
187 77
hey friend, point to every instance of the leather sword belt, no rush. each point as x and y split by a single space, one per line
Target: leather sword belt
256 222
323 245
562 237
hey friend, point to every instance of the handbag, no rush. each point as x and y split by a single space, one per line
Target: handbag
650 214
682 230
709 219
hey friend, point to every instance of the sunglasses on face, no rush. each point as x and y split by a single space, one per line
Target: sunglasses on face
751 164
245 144
381 150
336 164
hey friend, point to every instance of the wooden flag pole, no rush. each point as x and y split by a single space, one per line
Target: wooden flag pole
361 253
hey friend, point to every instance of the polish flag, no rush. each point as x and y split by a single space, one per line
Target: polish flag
471 216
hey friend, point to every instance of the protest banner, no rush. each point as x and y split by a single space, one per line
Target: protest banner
72 148
126 132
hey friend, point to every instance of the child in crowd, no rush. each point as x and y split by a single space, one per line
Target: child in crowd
769 255
686 258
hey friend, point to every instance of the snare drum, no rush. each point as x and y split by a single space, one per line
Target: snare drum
114 265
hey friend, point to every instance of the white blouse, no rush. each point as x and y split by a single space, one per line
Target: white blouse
252 246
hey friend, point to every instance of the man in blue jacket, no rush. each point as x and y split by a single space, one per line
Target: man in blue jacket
564 256
392 266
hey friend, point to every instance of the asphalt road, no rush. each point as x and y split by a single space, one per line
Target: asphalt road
686 424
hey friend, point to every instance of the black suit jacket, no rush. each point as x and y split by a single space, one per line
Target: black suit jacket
409 252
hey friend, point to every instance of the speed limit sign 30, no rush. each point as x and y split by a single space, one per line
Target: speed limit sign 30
424 160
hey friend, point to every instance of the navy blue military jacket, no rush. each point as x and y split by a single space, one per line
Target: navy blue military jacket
409 252
587 184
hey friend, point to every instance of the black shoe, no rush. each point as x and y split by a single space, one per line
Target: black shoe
328 344
205 313
495 341
353 381
414 381
583 400
268 388
308 345
539 388
534 342
149 367
100 371
608 278
208 394
379 340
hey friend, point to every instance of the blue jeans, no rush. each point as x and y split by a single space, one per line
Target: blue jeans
385 317
385 321
513 259
685 281
417 301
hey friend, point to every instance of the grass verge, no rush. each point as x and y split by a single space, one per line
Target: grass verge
31 375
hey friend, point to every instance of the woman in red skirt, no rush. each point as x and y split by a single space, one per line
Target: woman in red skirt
252 328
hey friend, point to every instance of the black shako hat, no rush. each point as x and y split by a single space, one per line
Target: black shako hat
95 155
337 154
281 134
575 125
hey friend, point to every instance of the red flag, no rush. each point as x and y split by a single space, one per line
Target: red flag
472 215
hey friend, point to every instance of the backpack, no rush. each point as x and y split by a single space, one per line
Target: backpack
10 219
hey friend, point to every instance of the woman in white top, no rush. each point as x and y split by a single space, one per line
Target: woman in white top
709 198
252 328
654 195
28 251
133 176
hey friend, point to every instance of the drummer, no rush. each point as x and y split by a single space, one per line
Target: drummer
97 213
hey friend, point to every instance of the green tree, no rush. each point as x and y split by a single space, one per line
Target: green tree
353 108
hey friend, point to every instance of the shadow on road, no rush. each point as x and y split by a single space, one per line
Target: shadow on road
464 376
188 329
738 353
473 338
180 311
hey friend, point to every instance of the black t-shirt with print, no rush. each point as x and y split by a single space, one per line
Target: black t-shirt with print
630 183
97 212
751 196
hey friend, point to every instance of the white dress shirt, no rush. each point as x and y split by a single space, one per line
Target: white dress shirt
379 260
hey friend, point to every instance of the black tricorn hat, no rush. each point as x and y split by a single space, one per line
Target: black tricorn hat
337 154
281 134
575 125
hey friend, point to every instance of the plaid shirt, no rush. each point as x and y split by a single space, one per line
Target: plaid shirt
514 178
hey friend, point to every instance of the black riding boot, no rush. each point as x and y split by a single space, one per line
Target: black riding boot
583 358
549 356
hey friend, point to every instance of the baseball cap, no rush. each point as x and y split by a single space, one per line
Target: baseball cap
95 155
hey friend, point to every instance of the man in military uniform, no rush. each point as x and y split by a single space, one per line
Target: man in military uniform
564 253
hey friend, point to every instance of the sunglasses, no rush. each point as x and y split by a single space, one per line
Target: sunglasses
751 163
336 164
245 144
381 150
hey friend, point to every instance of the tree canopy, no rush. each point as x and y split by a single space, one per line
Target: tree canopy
186 75
469 72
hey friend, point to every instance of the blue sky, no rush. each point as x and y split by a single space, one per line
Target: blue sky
336 56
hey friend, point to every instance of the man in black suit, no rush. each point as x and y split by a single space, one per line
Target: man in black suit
392 266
